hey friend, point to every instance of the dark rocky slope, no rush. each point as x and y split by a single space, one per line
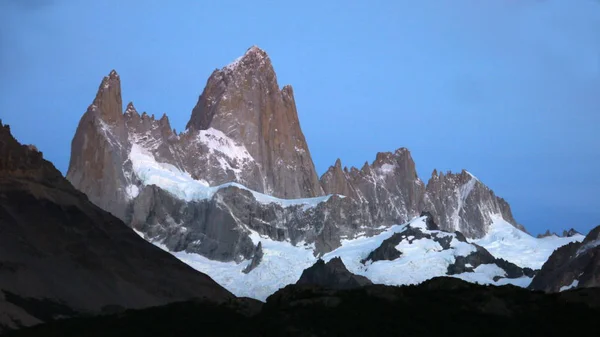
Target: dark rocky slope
333 275
438 307
62 255
576 265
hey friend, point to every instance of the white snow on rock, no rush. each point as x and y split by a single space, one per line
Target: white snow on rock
183 186
508 242
420 261
573 284
387 168
217 141
588 246
463 193
283 263
132 191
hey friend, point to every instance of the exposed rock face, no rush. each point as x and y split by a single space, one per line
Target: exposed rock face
565 234
256 259
60 254
243 100
332 275
546 234
576 265
460 202
388 188
393 192
100 148
245 130
570 233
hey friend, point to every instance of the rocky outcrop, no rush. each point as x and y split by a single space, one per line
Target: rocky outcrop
565 234
576 265
332 275
256 259
393 192
460 202
60 254
389 187
244 101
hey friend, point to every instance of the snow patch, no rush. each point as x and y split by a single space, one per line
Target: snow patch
573 284
283 263
217 141
387 168
505 241
132 191
588 246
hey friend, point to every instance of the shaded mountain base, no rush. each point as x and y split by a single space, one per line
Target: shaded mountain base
439 307
333 275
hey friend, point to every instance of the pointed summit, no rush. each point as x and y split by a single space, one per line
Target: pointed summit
254 57
99 138
108 102
243 100
130 110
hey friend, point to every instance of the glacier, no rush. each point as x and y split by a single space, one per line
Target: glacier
283 262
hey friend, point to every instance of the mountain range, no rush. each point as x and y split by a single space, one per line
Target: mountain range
237 198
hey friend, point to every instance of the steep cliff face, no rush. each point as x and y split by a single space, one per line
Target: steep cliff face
100 148
243 100
392 192
389 187
460 202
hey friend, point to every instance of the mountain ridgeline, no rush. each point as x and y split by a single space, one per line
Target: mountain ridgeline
243 166
63 256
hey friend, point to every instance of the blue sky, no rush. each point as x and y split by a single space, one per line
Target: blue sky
508 89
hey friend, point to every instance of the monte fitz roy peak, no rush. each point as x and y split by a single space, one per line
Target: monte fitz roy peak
242 171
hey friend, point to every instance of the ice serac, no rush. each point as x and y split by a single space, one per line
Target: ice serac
99 149
244 102
460 202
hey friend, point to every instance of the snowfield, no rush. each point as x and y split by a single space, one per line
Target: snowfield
283 263
507 242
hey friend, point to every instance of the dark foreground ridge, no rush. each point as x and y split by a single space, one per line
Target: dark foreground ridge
62 256
438 307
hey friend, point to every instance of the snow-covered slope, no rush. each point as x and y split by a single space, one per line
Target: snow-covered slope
420 260
283 262
181 184
507 242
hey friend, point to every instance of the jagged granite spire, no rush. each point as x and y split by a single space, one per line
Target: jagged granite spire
243 100
99 149
461 202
